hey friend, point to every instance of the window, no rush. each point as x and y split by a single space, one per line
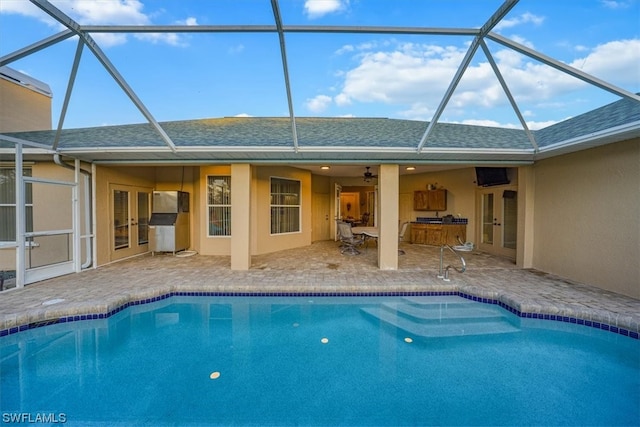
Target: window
285 206
8 204
219 204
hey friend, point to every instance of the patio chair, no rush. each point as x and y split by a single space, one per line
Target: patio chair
349 242
403 230
365 219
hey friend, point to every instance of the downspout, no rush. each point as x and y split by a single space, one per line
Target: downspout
87 194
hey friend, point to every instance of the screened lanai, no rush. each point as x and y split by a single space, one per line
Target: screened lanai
347 84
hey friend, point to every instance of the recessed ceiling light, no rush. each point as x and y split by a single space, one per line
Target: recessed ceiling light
324 168
411 168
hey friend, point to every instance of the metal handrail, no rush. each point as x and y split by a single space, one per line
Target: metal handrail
445 275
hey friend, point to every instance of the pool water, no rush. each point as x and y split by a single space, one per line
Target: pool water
320 361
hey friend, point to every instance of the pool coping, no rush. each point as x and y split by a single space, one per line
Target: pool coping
64 313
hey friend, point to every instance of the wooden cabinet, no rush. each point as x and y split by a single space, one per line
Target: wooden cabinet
434 235
430 200
438 234
454 231
418 233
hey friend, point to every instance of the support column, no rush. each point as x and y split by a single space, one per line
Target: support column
241 218
20 219
526 197
77 229
388 216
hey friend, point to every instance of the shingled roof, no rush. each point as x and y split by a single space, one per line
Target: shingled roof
334 138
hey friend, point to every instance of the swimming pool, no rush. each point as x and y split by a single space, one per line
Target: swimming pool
320 361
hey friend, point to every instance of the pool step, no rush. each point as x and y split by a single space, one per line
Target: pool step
442 319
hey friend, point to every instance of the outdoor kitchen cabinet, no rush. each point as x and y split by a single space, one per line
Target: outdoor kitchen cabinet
430 200
438 234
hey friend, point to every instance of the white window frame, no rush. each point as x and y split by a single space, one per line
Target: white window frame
273 206
219 205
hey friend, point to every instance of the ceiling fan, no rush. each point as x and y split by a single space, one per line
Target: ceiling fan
368 176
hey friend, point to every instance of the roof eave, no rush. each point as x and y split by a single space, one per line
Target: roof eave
227 154
595 139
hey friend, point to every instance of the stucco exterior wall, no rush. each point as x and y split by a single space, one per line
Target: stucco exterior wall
216 245
587 217
23 109
105 177
262 240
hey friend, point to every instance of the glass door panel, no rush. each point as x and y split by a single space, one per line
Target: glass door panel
487 219
121 229
509 219
144 212
498 209
130 215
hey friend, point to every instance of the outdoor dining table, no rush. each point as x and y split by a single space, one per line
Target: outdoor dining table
367 233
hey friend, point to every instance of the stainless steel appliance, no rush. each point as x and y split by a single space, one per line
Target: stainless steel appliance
169 223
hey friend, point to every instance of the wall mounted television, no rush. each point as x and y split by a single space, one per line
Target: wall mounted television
486 177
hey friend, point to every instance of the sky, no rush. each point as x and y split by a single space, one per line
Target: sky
184 76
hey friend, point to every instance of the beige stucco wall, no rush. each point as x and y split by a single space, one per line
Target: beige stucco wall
587 217
322 215
105 177
216 245
23 109
262 240
388 197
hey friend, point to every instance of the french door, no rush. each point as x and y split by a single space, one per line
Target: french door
498 208
130 213
337 192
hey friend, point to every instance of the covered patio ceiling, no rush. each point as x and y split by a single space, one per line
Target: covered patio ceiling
424 148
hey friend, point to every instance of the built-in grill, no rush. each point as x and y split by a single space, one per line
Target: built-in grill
169 223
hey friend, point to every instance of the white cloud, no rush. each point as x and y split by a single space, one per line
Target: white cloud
342 100
418 111
615 61
345 49
98 12
243 115
518 39
318 8
611 4
318 104
417 76
540 125
532 125
490 123
525 18
189 21
234 50
22 7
